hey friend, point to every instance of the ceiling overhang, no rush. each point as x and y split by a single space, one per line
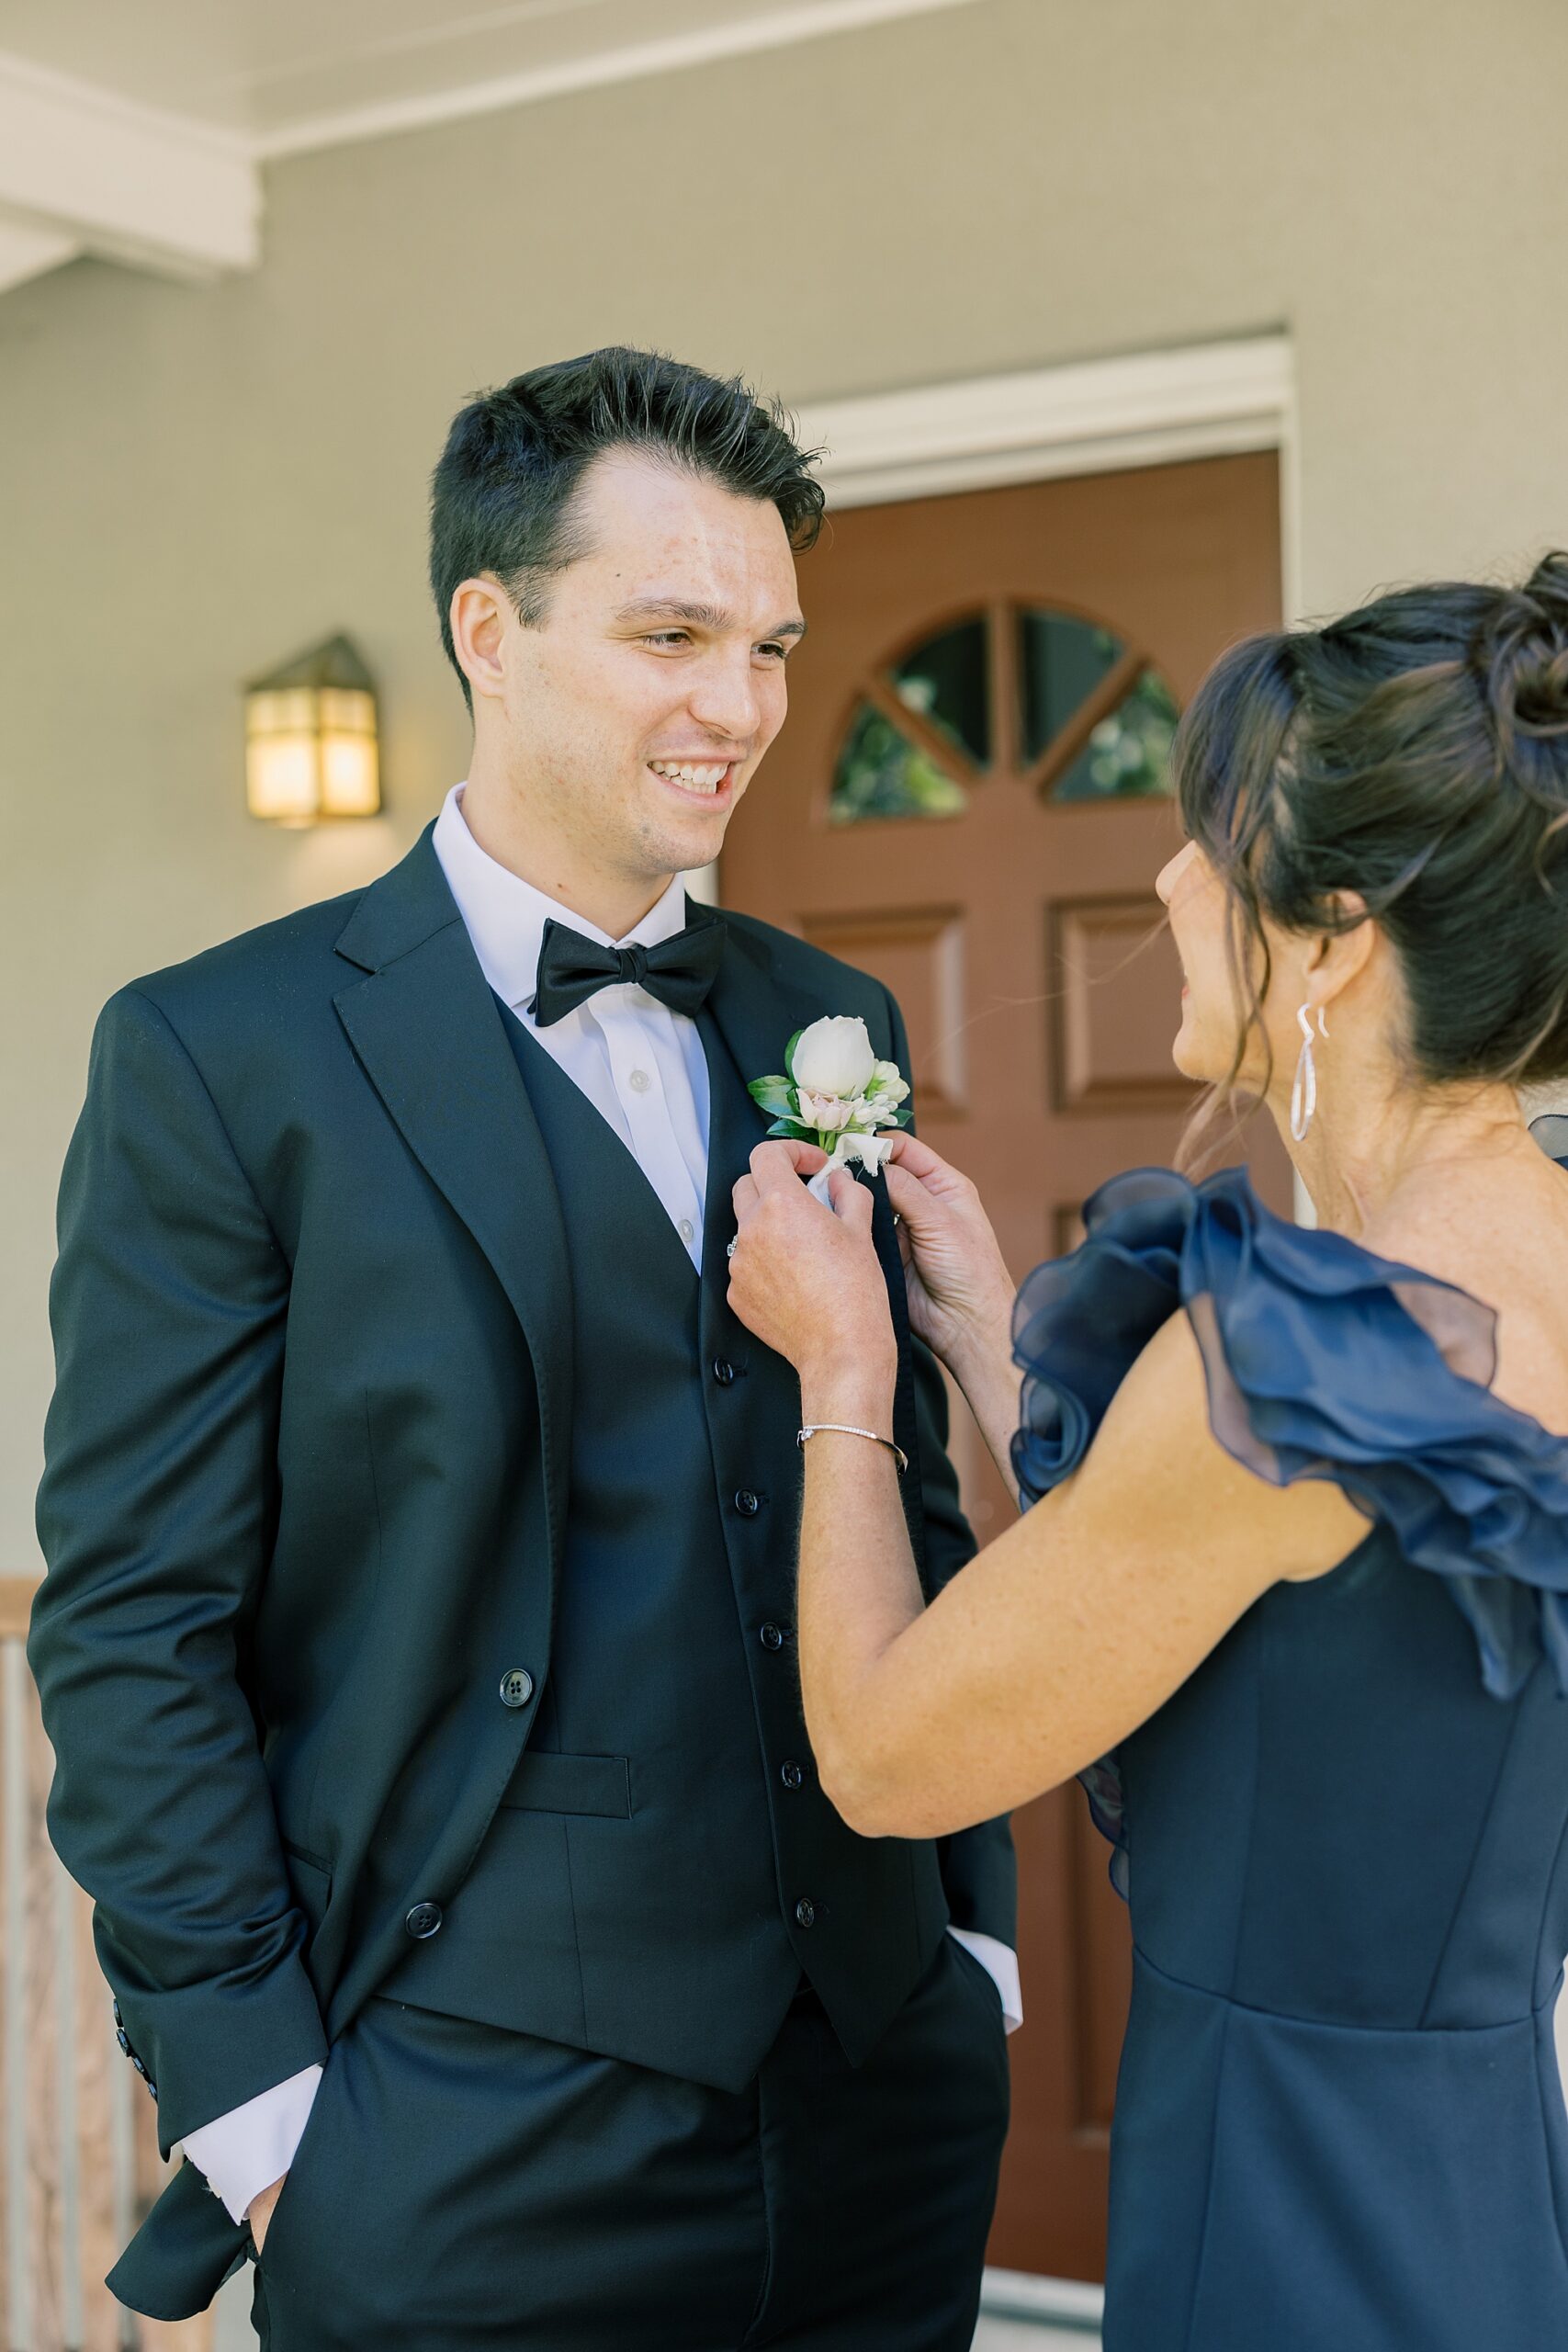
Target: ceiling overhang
86 170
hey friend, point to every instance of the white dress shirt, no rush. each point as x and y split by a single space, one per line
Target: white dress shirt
643 1068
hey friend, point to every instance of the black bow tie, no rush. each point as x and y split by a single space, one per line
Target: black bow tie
679 971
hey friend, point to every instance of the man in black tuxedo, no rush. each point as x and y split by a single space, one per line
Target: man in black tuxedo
416 1642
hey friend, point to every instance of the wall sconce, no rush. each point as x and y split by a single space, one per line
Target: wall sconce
311 747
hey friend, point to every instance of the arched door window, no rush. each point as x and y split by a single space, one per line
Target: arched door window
1051 695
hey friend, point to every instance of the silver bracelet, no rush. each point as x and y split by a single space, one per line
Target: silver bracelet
845 1429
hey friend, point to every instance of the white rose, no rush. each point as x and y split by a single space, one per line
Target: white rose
887 1084
833 1057
826 1112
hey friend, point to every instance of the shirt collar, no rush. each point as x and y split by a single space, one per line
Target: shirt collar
505 917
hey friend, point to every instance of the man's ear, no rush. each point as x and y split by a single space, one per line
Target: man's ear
480 617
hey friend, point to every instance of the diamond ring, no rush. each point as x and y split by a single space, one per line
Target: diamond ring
730 1247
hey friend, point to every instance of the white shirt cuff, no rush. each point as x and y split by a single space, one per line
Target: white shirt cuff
246 2151
1001 1965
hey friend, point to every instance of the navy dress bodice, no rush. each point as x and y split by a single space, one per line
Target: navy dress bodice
1339 2121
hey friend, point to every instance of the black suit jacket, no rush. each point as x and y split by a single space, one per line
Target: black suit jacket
304 1164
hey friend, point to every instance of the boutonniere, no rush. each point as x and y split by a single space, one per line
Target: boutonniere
834 1093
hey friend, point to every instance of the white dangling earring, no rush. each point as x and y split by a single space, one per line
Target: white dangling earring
1303 1093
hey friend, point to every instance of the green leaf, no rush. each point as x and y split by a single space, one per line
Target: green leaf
789 1053
775 1095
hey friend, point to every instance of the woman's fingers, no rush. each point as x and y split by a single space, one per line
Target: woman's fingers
938 1175
776 1163
744 1198
850 1201
918 1158
908 1196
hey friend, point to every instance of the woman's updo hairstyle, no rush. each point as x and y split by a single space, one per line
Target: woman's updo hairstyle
1415 753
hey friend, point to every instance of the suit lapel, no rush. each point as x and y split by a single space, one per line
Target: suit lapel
427 1032
749 1020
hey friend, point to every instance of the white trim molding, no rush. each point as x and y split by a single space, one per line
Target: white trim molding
1149 408
778 28
99 174
1090 416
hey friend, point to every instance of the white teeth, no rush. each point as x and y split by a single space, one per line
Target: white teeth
706 778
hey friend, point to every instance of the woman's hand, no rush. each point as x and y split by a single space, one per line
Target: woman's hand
806 1281
961 1294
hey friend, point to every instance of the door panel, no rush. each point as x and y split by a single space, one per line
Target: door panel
969 800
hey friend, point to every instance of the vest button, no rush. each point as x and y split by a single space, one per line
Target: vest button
723 1372
792 1774
770 1636
516 1687
424 1920
746 1503
806 1912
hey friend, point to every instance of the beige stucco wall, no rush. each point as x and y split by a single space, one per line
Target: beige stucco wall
197 481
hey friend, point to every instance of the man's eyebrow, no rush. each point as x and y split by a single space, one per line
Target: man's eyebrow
714 616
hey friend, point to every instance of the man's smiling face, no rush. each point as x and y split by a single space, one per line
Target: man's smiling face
639 704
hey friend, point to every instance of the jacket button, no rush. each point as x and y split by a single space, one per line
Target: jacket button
516 1687
424 1920
746 1503
806 1912
770 1636
792 1774
722 1371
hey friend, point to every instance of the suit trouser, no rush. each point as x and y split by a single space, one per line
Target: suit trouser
459 2186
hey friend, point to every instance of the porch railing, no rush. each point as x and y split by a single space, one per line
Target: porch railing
79 2160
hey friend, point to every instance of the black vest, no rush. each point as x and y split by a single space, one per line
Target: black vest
663 1867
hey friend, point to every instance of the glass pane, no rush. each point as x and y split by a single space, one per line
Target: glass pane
944 680
1128 755
881 774
1061 659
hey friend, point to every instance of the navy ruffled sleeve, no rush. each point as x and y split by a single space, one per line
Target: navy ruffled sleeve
1322 1362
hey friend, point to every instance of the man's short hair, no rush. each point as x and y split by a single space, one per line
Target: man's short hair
501 496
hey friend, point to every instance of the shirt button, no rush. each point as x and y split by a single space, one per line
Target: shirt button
770 1636
805 1913
639 1081
792 1774
723 1372
687 1231
746 1503
516 1687
424 1920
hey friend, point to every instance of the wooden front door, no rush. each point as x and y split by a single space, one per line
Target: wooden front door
970 800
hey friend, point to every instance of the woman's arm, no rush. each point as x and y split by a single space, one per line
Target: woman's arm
1070 1630
1065 1634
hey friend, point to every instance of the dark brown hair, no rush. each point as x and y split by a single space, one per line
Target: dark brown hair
503 494
1415 753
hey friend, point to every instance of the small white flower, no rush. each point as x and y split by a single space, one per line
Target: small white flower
833 1057
826 1112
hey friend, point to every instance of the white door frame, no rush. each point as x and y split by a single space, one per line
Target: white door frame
1148 408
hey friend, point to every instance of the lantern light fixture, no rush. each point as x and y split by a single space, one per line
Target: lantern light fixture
310 739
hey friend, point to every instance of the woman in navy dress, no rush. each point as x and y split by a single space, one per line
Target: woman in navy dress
1290 1594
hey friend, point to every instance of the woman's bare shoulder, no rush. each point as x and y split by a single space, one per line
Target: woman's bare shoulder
1506 1244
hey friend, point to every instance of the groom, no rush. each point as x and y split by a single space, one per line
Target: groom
416 1644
